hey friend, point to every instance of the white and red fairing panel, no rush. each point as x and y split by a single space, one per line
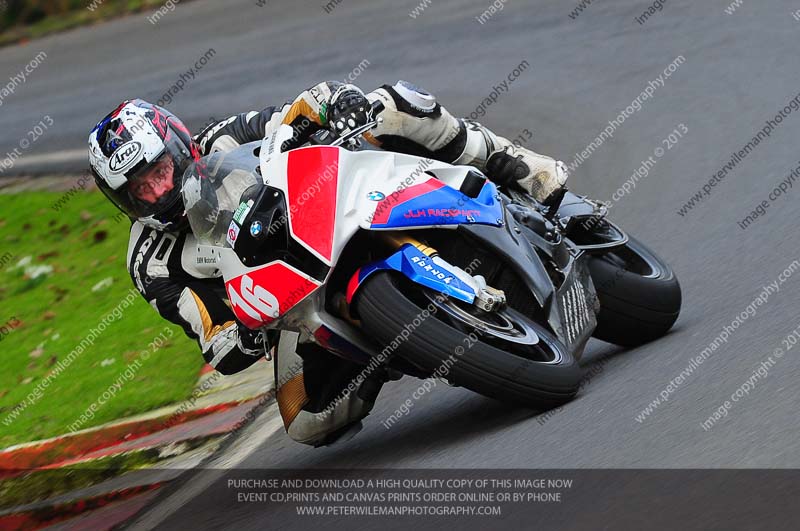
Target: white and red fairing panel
331 194
260 295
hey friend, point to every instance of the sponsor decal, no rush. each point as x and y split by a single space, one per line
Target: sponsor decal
125 156
323 113
376 196
426 265
441 213
576 311
233 234
272 142
242 212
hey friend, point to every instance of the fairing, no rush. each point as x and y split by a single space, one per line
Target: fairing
331 194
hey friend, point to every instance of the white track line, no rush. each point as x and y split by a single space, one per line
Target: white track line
260 429
69 155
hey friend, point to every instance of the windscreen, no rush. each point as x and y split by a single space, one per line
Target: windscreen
212 189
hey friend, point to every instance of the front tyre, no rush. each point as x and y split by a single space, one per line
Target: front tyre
502 354
640 297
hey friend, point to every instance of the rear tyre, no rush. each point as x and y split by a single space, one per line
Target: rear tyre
640 297
502 355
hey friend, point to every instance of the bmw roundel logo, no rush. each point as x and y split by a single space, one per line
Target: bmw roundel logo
256 228
376 196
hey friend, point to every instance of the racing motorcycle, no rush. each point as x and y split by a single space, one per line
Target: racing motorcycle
426 268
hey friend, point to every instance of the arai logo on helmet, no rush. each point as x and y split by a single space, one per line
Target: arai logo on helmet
125 156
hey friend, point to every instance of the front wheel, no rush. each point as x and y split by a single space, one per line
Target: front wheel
640 297
501 354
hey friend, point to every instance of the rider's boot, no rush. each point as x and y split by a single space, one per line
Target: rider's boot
321 397
509 164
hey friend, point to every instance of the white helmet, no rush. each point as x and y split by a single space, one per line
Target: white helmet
138 154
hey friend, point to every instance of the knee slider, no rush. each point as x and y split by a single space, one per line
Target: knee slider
413 100
413 122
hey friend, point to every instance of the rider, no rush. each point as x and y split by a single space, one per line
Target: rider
138 154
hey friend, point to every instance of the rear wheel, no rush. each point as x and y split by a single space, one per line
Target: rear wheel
640 297
503 354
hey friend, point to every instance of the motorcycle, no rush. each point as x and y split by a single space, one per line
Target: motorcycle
395 261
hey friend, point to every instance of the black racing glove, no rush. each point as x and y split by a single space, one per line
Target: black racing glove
251 342
348 109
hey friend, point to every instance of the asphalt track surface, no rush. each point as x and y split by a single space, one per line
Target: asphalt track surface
739 71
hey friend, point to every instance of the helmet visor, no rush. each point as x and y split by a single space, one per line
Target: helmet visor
154 189
154 182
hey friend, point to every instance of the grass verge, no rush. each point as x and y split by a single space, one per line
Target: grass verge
61 273
75 14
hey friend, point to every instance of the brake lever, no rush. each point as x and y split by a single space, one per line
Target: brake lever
353 133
